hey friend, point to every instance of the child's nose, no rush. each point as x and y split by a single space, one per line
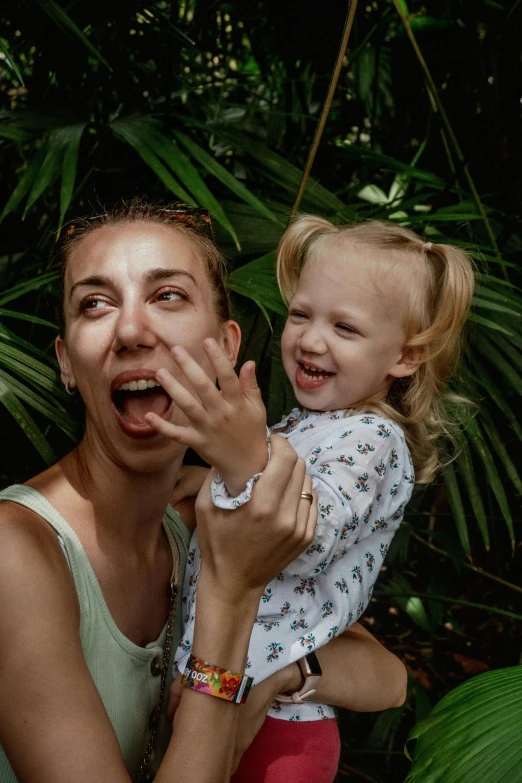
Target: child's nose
312 341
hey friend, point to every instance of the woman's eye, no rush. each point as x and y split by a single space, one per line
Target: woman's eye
93 304
170 296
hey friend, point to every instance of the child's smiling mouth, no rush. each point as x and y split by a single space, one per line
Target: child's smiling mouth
308 376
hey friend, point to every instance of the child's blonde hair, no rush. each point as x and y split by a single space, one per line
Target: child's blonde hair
438 281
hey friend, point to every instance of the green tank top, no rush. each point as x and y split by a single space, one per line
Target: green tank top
123 672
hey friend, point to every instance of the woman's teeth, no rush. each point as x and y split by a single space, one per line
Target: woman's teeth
140 385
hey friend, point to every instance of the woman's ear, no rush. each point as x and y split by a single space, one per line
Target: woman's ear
410 361
66 373
231 339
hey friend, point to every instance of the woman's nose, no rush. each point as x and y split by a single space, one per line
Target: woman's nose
133 329
312 340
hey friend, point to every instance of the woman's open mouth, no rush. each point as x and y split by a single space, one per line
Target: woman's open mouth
133 397
310 377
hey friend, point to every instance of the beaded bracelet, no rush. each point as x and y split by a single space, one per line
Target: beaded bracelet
210 679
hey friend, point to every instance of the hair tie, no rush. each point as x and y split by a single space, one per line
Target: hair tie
427 246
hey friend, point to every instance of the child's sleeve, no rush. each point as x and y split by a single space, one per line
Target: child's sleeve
363 476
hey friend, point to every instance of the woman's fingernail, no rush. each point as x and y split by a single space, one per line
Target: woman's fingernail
210 343
161 374
177 351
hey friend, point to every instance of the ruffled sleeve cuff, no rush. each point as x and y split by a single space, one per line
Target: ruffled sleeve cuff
220 495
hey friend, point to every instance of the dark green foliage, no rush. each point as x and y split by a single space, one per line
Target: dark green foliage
216 104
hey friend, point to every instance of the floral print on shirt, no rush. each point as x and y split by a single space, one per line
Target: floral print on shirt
362 472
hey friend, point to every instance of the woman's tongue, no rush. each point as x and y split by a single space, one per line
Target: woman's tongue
135 404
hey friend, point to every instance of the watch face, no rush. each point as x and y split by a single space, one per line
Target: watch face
310 665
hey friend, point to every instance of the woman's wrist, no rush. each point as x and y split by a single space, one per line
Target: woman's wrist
224 622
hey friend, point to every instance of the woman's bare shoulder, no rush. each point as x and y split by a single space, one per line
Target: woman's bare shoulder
31 552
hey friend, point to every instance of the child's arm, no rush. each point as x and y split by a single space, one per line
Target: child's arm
227 428
363 479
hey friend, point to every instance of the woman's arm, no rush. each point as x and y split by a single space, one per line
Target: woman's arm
239 552
359 674
53 725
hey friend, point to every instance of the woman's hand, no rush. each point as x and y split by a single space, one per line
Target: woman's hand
227 428
246 548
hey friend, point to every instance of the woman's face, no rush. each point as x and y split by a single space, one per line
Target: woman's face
132 292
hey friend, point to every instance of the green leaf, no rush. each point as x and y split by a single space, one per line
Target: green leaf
65 23
506 369
49 408
257 280
473 733
278 168
468 474
126 130
478 319
48 172
494 479
180 164
26 423
32 319
27 285
24 183
8 59
486 381
455 499
497 444
225 177
69 165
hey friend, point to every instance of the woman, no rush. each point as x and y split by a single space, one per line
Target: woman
83 643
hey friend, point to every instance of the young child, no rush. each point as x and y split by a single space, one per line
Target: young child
373 333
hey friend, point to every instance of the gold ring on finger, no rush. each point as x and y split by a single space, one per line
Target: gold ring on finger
307 496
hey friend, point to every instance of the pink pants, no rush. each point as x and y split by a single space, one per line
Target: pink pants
291 752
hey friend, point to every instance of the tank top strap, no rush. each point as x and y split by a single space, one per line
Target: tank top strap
34 501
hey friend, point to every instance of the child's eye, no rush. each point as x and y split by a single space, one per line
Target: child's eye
297 314
346 328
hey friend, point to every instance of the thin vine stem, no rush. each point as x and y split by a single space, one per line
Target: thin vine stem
469 566
432 87
352 7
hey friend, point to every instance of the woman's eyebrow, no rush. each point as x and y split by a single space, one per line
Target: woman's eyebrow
155 275
95 280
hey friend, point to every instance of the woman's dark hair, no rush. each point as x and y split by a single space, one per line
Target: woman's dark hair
192 223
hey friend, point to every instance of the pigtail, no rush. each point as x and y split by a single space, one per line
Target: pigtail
293 247
422 402
454 285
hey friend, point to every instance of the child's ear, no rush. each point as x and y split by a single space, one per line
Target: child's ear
231 340
409 362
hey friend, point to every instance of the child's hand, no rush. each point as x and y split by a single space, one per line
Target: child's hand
227 428
190 480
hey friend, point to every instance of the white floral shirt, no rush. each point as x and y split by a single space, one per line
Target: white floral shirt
362 472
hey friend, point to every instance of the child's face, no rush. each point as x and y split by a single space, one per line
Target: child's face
344 338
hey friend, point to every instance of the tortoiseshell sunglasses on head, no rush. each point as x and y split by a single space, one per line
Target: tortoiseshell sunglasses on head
195 217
